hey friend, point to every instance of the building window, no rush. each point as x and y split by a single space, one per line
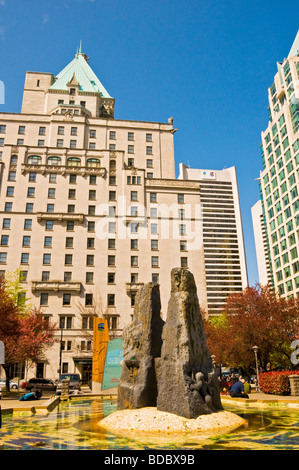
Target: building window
111 260
111 243
149 150
44 299
112 195
14 160
65 322
111 278
88 300
3 258
24 258
149 138
32 177
45 276
27 224
47 258
68 260
8 207
21 130
26 240
66 300
30 192
51 193
90 226
73 144
29 207
155 261
153 197
134 261
10 191
154 245
149 163
87 322
59 143
134 196
69 242
130 149
12 176
89 278
40 143
130 135
180 198
6 223
111 300
49 225
42 131
155 278
184 262
134 244
89 260
4 240
112 135
50 208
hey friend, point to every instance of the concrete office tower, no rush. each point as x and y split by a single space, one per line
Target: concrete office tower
279 179
261 244
90 210
224 253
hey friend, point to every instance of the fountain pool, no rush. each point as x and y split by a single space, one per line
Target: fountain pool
74 425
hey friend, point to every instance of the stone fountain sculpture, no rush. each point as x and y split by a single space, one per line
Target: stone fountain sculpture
142 341
168 365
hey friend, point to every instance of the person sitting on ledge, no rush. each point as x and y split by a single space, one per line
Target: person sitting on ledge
237 390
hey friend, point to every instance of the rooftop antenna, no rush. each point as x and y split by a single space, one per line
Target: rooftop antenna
80 49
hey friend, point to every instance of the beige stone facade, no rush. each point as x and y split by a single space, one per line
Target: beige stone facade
90 209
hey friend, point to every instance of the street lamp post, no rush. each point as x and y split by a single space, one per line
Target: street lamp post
255 350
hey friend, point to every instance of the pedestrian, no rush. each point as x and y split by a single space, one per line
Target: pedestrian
237 390
247 386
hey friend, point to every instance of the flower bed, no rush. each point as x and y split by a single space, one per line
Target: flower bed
276 383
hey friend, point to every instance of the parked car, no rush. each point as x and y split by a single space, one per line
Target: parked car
13 385
41 384
74 383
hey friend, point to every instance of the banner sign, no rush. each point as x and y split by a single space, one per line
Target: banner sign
100 342
112 369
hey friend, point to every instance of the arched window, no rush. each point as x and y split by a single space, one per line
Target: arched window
112 164
13 159
54 161
94 162
34 159
73 161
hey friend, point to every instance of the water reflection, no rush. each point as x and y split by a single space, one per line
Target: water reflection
74 425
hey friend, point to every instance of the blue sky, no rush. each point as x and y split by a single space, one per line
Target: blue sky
208 64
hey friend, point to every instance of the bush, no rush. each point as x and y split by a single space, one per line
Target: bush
276 383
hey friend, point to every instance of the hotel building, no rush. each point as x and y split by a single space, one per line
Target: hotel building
279 179
90 210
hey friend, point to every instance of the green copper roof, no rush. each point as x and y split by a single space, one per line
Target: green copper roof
295 47
80 70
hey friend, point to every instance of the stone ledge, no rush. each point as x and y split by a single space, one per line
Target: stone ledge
149 420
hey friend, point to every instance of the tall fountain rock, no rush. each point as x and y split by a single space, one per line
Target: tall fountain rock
141 345
187 383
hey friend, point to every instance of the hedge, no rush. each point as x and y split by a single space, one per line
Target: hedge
276 383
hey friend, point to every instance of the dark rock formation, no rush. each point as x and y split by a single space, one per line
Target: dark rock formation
187 384
141 345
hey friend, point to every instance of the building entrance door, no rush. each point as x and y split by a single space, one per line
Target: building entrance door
86 374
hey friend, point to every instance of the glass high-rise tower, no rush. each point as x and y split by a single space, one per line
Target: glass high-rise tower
279 179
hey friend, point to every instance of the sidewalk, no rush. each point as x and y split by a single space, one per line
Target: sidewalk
260 398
